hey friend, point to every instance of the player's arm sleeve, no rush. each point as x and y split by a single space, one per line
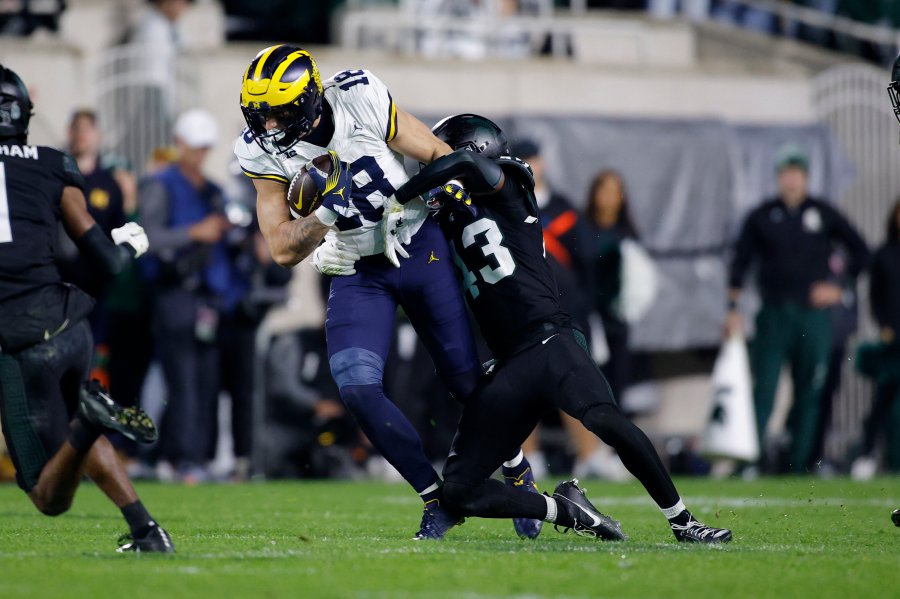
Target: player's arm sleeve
100 250
247 170
370 102
856 247
744 249
390 127
153 200
479 174
88 236
255 163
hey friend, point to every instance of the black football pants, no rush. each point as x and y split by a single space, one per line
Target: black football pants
39 393
504 410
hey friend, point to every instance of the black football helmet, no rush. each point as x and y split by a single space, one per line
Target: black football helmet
15 107
474 133
894 87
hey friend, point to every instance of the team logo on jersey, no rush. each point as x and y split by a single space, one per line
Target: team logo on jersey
812 221
433 258
59 329
99 199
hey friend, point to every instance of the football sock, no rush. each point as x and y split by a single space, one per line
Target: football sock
634 448
83 434
391 433
552 509
516 461
516 467
672 512
137 517
431 493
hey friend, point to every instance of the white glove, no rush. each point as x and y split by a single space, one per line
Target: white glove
395 231
133 234
335 259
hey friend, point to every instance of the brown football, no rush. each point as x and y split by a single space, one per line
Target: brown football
302 194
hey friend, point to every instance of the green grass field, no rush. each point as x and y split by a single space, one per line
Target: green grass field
793 538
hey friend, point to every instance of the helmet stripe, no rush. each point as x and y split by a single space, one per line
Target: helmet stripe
261 61
286 63
272 56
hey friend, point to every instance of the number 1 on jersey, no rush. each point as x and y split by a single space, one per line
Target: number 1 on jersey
5 227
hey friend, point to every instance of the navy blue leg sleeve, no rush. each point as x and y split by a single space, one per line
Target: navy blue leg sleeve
391 433
358 373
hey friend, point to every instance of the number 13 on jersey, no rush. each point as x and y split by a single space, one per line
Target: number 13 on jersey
486 233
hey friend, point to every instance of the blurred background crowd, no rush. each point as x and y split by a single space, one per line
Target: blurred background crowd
657 131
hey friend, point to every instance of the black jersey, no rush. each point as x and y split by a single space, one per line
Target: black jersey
498 246
32 298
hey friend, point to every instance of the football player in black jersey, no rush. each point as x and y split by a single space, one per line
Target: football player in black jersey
52 420
894 88
541 358
894 93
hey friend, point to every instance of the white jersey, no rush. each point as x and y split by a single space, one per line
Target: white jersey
365 119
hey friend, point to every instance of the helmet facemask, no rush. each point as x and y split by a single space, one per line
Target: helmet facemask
296 120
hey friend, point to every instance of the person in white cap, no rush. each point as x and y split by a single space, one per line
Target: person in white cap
189 273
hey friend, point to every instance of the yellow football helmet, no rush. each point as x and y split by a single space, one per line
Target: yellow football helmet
281 83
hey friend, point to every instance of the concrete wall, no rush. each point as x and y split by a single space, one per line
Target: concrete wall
61 76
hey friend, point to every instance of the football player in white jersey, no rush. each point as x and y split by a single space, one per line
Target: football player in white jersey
293 117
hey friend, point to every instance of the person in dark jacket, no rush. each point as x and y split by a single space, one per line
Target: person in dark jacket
103 190
792 238
608 213
884 293
567 239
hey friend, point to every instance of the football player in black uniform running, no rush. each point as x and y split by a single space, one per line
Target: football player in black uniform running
894 92
52 420
542 360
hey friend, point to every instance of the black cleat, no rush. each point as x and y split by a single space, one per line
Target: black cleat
98 408
697 532
586 520
895 517
154 540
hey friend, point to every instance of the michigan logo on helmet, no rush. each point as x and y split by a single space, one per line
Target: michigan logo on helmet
15 107
281 96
